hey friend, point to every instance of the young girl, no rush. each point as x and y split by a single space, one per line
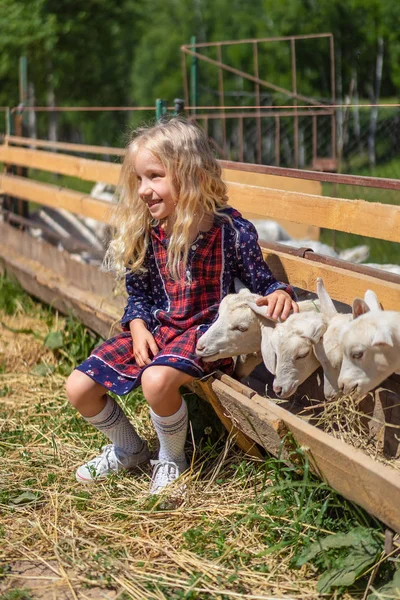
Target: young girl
180 246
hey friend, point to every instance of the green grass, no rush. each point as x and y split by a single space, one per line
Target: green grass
73 183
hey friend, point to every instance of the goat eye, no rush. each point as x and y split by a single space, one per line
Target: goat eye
303 355
239 328
357 355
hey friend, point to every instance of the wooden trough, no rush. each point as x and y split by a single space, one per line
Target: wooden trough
258 192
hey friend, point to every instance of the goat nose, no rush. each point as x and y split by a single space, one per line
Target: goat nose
278 390
200 346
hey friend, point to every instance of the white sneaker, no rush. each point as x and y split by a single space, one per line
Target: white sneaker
109 462
166 472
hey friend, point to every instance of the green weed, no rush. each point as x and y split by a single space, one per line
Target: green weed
12 297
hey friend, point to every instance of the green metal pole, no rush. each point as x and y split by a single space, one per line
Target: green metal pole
23 85
193 77
9 122
161 108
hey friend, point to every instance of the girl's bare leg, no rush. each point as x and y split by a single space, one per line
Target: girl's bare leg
88 397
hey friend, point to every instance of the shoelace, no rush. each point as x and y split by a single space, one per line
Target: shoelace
164 470
105 455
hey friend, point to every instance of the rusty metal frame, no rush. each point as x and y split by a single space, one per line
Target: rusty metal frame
193 51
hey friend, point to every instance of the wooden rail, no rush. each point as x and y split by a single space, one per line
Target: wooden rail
54 196
255 201
34 143
352 216
74 166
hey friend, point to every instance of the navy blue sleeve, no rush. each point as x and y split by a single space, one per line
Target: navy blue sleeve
252 269
140 299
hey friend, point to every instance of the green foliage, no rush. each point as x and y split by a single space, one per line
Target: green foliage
12 297
17 594
96 53
389 590
345 557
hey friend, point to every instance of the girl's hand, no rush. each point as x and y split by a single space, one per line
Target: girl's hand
279 305
144 344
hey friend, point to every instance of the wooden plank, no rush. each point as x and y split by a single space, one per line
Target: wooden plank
343 285
295 230
204 390
35 143
54 277
357 477
86 277
371 219
74 166
56 197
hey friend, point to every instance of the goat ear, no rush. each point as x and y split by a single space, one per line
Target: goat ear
359 307
239 285
325 300
372 301
383 337
260 310
267 352
315 330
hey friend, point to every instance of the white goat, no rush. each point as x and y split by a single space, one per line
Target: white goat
371 349
270 231
357 254
239 330
304 342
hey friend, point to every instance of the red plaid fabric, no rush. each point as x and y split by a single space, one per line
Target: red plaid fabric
191 304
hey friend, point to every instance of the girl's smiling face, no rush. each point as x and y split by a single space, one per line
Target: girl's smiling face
155 188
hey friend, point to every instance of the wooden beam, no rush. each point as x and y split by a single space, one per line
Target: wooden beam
74 166
343 285
360 217
351 472
204 390
34 143
295 230
56 197
52 288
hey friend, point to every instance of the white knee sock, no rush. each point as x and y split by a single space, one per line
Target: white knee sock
171 432
113 422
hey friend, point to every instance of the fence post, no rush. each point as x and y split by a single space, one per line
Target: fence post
161 108
193 76
179 106
20 206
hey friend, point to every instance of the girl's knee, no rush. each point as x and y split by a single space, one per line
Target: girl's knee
155 381
80 387
159 381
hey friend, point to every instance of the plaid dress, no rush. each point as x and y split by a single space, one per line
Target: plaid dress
178 313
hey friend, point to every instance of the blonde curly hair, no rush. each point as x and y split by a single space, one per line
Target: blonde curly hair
197 188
